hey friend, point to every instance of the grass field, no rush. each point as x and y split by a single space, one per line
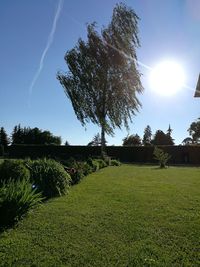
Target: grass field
119 216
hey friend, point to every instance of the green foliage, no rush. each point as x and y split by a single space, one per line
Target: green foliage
17 197
78 170
103 78
49 177
76 176
147 136
194 131
115 162
96 141
102 163
161 156
187 141
14 170
86 168
107 160
93 163
132 140
161 138
35 136
4 141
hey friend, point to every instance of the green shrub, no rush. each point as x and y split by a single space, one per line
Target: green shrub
71 162
74 169
161 157
76 176
107 160
115 162
87 169
94 164
16 199
90 162
14 170
49 177
102 163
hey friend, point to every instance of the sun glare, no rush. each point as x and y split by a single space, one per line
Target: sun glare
167 78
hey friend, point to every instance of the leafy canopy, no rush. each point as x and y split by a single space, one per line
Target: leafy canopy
194 131
132 140
103 79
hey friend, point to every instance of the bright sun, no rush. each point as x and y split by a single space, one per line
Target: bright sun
167 78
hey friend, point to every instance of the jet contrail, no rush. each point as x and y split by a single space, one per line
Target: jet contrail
49 42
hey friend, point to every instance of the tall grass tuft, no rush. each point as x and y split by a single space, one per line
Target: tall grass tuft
16 199
13 170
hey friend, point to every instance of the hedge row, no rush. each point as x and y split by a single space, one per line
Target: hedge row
1 151
179 154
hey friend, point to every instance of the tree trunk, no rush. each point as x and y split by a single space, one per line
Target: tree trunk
103 150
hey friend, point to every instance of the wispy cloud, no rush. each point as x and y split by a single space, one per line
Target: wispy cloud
49 42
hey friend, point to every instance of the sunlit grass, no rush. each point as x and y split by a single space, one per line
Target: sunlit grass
119 216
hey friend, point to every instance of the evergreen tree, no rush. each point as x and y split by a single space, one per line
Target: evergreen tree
4 141
161 138
147 136
67 143
17 135
169 130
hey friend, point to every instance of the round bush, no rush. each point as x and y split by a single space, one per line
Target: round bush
102 163
14 170
49 177
93 164
115 162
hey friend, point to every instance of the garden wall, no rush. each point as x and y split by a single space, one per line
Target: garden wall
179 154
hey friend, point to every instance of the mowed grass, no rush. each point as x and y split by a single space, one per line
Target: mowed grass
119 216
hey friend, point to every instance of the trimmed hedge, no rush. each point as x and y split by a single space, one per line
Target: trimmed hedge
1 151
179 154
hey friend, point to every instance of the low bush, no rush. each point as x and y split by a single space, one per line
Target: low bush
49 177
94 164
107 160
14 170
115 162
16 199
161 156
76 176
102 163
77 171
87 169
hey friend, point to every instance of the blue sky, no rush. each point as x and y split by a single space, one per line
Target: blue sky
168 30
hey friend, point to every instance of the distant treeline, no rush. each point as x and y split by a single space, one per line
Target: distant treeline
29 136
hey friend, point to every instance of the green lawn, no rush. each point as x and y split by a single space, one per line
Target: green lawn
119 216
